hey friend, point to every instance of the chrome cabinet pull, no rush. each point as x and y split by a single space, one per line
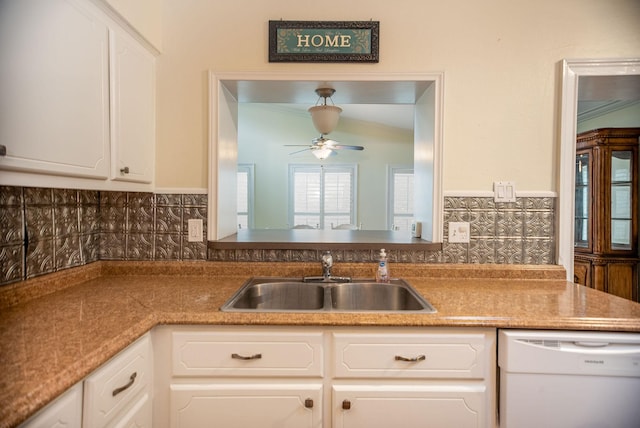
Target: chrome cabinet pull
242 357
346 404
124 170
308 403
132 379
411 360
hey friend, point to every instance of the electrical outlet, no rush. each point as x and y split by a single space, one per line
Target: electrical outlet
459 232
195 230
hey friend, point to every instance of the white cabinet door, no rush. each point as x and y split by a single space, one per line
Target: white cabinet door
246 405
118 385
409 406
65 411
132 109
54 88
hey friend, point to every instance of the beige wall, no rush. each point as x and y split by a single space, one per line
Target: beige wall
144 15
500 60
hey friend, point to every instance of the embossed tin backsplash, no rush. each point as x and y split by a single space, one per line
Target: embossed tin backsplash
45 230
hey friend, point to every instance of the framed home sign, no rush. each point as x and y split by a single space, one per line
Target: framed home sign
323 41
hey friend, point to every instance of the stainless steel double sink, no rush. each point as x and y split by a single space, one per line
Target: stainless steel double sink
359 295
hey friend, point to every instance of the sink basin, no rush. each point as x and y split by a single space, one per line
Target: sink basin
291 295
372 296
280 296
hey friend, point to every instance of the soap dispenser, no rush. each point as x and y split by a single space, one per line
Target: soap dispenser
382 273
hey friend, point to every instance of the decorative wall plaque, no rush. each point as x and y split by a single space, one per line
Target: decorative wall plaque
323 41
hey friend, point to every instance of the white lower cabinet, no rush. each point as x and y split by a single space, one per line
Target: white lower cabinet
324 377
118 394
244 405
64 411
413 378
246 377
438 405
138 415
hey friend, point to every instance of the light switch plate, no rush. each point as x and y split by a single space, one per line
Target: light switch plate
459 232
504 191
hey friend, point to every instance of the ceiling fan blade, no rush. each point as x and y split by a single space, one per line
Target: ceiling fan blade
347 147
300 151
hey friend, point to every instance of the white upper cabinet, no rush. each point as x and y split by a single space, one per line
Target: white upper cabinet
132 109
54 88
77 95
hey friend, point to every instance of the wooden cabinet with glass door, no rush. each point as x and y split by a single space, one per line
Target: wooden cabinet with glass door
606 210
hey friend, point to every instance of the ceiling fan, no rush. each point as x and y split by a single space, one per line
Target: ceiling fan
323 147
325 118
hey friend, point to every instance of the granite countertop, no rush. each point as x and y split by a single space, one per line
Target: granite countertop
57 329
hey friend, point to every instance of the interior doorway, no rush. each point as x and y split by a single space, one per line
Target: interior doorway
572 73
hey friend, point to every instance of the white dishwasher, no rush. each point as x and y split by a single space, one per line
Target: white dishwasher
568 379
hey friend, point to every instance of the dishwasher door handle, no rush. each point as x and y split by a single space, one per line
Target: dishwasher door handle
591 344
602 348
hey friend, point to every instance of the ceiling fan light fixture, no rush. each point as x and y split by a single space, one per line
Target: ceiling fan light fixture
322 153
325 117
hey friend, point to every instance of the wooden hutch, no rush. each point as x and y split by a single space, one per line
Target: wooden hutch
606 211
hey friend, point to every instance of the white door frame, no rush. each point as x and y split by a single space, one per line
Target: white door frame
572 70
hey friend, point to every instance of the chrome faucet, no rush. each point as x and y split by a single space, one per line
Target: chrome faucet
327 264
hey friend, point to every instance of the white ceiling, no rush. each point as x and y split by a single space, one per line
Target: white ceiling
394 115
391 103
385 102
598 95
347 92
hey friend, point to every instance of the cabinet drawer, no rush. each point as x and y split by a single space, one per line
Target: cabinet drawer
411 355
115 385
244 353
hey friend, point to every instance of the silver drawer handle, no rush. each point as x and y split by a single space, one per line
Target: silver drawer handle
242 357
124 170
411 360
132 379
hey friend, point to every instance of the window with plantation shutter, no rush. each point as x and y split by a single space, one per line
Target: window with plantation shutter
322 195
401 197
